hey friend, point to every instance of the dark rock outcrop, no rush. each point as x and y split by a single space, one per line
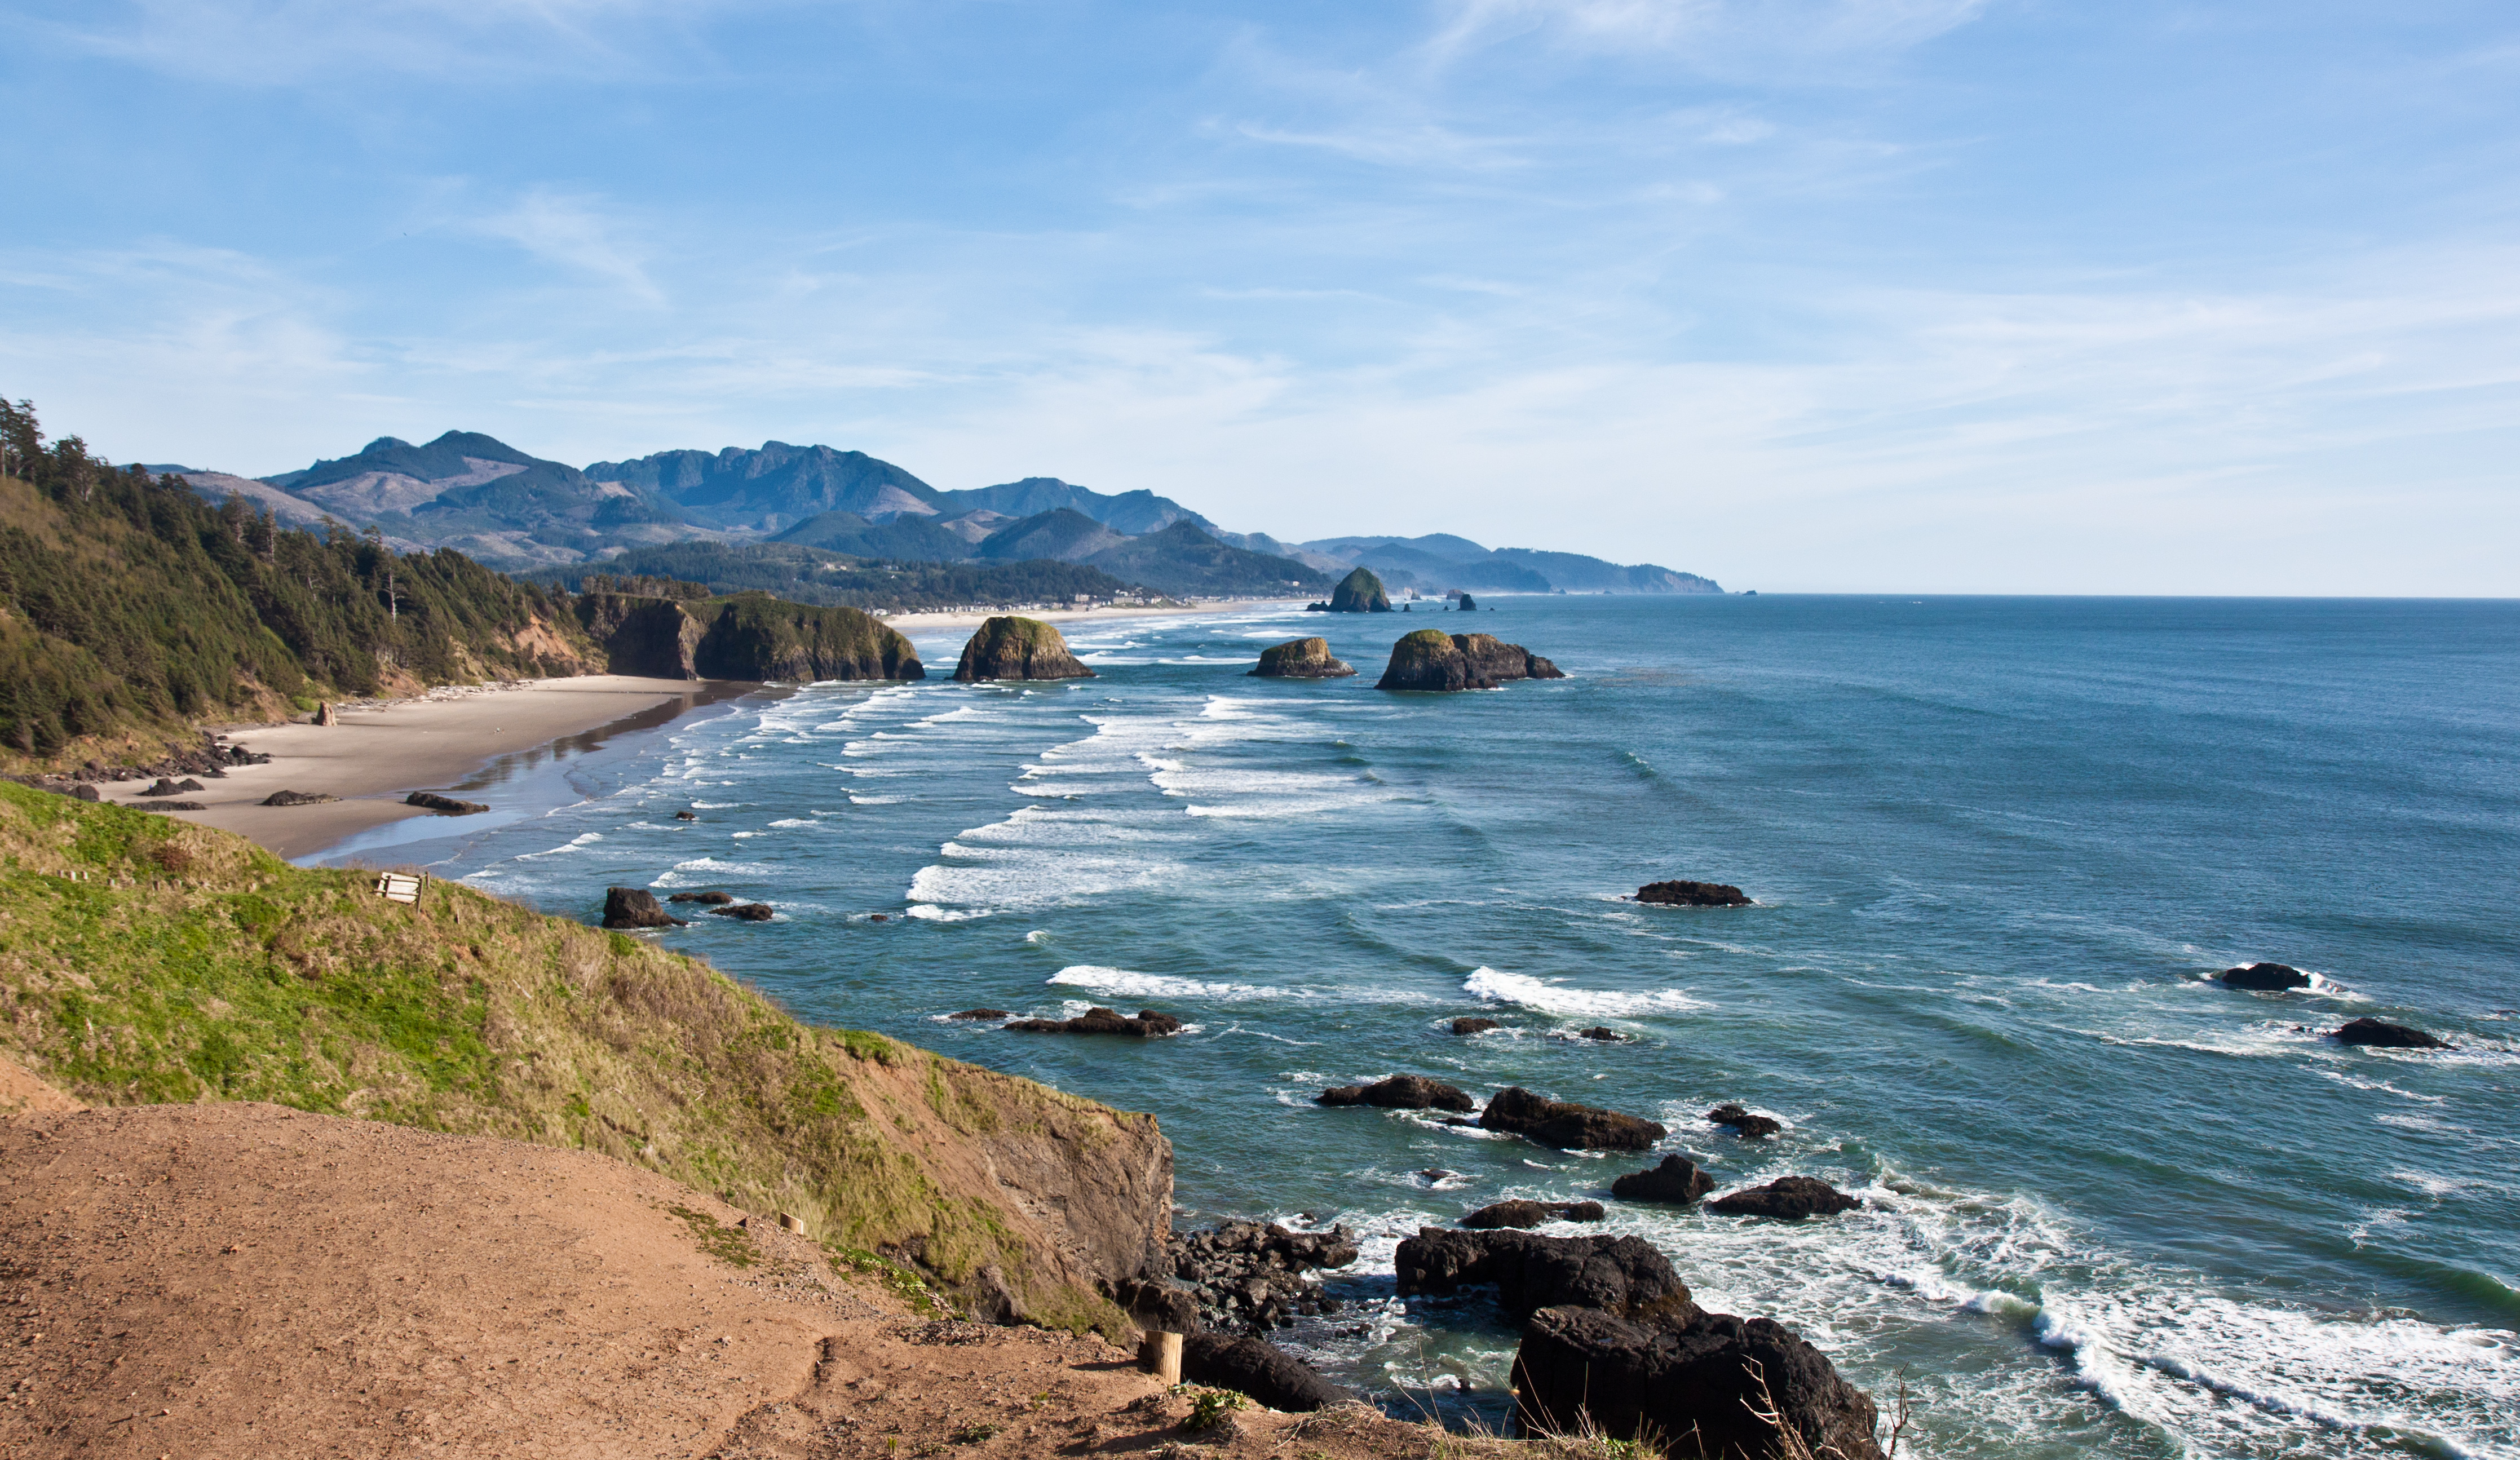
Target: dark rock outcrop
990 1014
444 805
1009 647
1744 1124
1473 1025
1677 1181
686 816
2266 976
714 899
2383 1035
747 912
1698 1379
1567 1126
325 714
168 786
748 637
1685 893
1525 1213
176 806
1604 1033
1249 1275
1435 661
1144 1024
1622 1275
1360 592
636 907
1301 659
1469 605
1260 1369
1400 1092
84 791
297 797
1786 1199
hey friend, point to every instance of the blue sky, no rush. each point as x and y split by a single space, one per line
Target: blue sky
1833 295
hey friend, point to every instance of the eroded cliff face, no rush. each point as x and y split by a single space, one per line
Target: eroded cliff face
750 636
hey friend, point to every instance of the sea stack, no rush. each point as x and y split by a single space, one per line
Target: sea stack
1360 592
1301 659
1433 660
1007 647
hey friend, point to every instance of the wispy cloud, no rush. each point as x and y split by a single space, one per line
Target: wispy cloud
285 42
1728 31
576 234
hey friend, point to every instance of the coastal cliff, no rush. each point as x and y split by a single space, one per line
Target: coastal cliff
182 964
750 636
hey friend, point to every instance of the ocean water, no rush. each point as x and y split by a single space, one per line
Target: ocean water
1999 846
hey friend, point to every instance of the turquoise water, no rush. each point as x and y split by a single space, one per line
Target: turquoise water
1998 847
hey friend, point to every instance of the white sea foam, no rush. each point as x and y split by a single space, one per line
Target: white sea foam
1123 983
1559 999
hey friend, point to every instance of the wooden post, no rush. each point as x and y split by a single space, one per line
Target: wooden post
1159 1354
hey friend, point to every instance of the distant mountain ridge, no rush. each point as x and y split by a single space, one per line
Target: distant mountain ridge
514 510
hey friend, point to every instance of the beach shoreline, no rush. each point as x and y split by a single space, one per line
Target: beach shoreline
378 753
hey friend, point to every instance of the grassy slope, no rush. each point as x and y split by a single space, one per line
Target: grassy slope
192 965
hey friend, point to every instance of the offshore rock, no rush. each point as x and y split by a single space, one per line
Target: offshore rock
636 907
1473 1025
1009 647
1301 659
1622 1275
1565 1125
1469 605
2383 1035
1604 1033
1698 1379
747 912
1437 662
1522 1213
1245 1276
1145 1024
1786 1199
444 805
714 899
2266 976
1744 1124
1684 893
1400 1092
1360 592
990 1014
1260 1369
1677 1181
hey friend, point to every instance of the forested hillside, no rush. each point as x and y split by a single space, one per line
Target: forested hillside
128 606
810 575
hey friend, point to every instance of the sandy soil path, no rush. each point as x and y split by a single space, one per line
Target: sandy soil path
246 1281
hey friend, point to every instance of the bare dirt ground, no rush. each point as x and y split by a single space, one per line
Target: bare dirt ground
244 1280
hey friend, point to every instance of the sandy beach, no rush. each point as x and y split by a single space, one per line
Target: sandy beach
375 756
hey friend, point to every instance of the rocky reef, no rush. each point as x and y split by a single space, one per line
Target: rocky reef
1240 1277
1612 1340
2382 1034
1685 893
1786 1199
1435 661
2266 976
1523 1215
1677 1181
1745 1124
1145 1024
1301 659
1567 1126
1360 592
1400 1092
1010 647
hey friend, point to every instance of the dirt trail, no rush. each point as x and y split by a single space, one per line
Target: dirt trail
244 1280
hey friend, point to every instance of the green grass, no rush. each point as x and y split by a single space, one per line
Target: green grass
193 965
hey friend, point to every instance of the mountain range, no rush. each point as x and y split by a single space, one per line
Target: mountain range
516 512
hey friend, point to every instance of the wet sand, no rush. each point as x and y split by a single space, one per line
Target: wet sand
375 757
